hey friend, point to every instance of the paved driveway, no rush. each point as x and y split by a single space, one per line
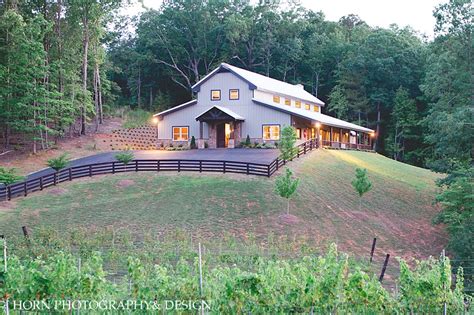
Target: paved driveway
264 156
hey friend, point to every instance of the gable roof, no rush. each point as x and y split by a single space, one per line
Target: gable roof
316 116
261 82
173 109
224 110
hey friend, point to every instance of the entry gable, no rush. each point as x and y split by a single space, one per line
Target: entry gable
218 113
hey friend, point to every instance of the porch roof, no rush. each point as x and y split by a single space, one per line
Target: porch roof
219 113
314 116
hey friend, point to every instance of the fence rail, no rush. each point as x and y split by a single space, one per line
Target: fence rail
178 165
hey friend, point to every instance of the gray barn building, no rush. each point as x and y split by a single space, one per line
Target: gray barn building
232 103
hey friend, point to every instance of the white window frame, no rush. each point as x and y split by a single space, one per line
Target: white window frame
180 133
272 132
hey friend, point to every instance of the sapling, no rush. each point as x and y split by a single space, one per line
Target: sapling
285 186
125 157
361 184
287 143
58 163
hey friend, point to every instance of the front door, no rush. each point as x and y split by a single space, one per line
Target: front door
221 143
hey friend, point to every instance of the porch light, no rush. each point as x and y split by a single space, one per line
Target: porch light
318 125
372 135
154 120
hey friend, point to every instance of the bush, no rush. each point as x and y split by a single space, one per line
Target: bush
193 143
247 141
58 163
125 157
287 145
206 145
8 176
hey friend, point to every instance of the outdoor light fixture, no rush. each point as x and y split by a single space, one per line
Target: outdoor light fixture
154 120
318 125
372 134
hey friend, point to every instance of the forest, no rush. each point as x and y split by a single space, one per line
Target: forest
66 65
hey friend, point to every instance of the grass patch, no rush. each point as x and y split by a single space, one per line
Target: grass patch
398 210
136 118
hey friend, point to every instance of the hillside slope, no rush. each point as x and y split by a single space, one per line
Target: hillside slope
398 210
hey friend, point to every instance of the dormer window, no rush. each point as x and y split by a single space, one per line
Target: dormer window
276 99
307 106
298 104
234 94
288 101
215 95
316 108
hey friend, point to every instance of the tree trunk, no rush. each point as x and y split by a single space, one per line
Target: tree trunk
99 89
84 74
151 98
139 87
377 135
96 98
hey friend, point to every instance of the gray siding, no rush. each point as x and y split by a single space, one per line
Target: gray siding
255 115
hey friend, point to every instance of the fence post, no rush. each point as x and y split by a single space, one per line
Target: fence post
200 166
373 249
384 268
7 309
200 279
445 305
90 170
41 183
25 187
9 193
305 148
268 170
70 174
136 165
179 166
248 168
277 161
113 167
55 177
224 167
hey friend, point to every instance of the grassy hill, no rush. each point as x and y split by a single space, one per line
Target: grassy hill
398 210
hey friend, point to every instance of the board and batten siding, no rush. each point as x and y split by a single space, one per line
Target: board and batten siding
255 115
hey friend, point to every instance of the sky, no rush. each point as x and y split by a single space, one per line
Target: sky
416 13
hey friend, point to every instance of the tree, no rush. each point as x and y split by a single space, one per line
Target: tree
338 103
287 143
9 176
125 157
285 186
361 184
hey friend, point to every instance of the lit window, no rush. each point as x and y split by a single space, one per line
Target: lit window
180 133
215 95
234 94
316 108
287 101
271 132
307 106
298 104
276 99
298 133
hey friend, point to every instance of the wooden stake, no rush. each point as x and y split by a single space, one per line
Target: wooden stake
200 278
373 249
384 268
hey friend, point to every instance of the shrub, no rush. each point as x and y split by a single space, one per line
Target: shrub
285 186
247 141
125 157
193 143
361 184
136 118
58 163
8 176
206 145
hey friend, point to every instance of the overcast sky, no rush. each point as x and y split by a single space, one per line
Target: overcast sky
416 13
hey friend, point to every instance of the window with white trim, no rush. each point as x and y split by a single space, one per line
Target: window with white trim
180 133
271 132
233 94
215 95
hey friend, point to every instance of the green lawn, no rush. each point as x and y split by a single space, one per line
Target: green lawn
398 211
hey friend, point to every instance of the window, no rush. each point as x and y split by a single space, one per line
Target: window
307 106
180 133
234 94
298 104
316 108
276 99
287 101
298 133
215 95
271 132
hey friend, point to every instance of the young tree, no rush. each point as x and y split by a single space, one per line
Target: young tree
9 176
361 184
125 157
287 143
58 163
285 186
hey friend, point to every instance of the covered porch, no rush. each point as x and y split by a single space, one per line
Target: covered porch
330 136
225 128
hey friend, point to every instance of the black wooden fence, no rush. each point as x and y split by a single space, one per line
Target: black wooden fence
68 174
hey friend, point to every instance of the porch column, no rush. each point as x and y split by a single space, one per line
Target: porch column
340 137
200 130
330 136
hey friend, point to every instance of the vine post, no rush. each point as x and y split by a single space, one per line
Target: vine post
445 306
7 309
200 277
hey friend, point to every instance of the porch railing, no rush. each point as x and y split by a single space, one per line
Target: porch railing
345 145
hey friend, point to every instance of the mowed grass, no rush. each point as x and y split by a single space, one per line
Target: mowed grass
398 210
